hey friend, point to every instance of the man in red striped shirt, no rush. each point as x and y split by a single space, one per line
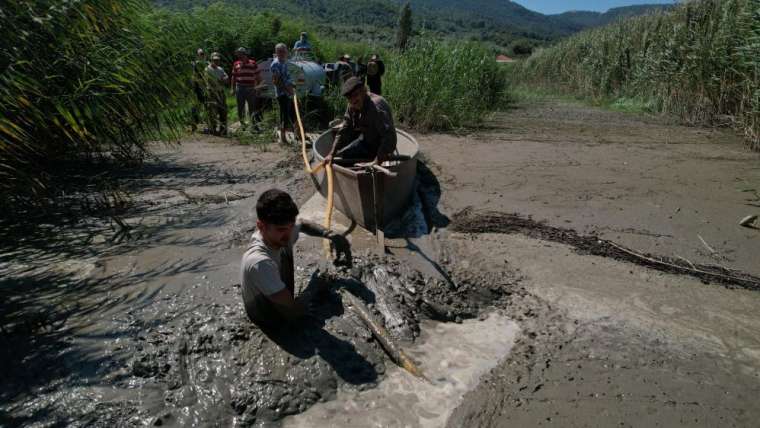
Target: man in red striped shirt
245 78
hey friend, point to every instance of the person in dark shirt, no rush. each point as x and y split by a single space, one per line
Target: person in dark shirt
375 71
367 132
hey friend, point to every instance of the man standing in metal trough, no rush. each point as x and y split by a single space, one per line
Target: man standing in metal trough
367 132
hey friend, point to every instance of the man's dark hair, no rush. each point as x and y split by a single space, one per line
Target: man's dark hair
276 207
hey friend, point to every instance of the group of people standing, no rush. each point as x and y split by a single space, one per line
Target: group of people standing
210 81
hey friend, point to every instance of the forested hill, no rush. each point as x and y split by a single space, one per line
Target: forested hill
500 22
585 19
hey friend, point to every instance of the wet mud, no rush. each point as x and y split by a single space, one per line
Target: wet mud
563 372
215 365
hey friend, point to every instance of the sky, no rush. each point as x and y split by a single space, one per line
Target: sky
559 6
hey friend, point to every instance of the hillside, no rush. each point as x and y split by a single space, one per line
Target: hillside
502 23
586 19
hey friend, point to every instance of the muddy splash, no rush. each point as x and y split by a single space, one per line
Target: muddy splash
454 356
214 365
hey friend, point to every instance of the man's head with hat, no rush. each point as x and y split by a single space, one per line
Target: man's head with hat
241 52
355 91
216 58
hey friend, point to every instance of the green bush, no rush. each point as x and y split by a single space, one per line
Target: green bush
701 61
444 85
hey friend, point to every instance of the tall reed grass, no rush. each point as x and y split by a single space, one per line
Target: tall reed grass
441 85
700 61
80 79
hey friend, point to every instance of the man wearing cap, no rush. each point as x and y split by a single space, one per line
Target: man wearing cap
367 132
284 88
245 78
267 271
302 45
216 81
199 87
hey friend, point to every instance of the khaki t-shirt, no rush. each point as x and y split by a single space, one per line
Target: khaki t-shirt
260 271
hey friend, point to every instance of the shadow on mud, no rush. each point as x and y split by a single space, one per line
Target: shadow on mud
310 338
44 312
422 216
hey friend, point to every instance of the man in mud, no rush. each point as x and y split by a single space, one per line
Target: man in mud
267 271
367 133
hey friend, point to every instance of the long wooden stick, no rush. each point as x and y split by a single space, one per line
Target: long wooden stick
396 354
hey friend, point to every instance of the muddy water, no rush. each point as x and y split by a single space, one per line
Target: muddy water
452 356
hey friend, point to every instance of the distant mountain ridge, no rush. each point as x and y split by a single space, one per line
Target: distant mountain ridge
496 21
586 19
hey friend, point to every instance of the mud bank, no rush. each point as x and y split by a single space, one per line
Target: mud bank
636 180
148 328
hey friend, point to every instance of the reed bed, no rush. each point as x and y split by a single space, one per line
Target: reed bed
699 61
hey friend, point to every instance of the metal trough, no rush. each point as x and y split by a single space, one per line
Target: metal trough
353 187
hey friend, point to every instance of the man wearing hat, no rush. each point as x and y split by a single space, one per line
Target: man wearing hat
216 81
245 78
367 132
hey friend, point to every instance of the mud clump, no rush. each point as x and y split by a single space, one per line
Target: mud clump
215 365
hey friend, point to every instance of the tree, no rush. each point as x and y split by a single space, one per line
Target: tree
404 26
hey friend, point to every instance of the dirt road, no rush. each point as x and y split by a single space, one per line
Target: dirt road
106 328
